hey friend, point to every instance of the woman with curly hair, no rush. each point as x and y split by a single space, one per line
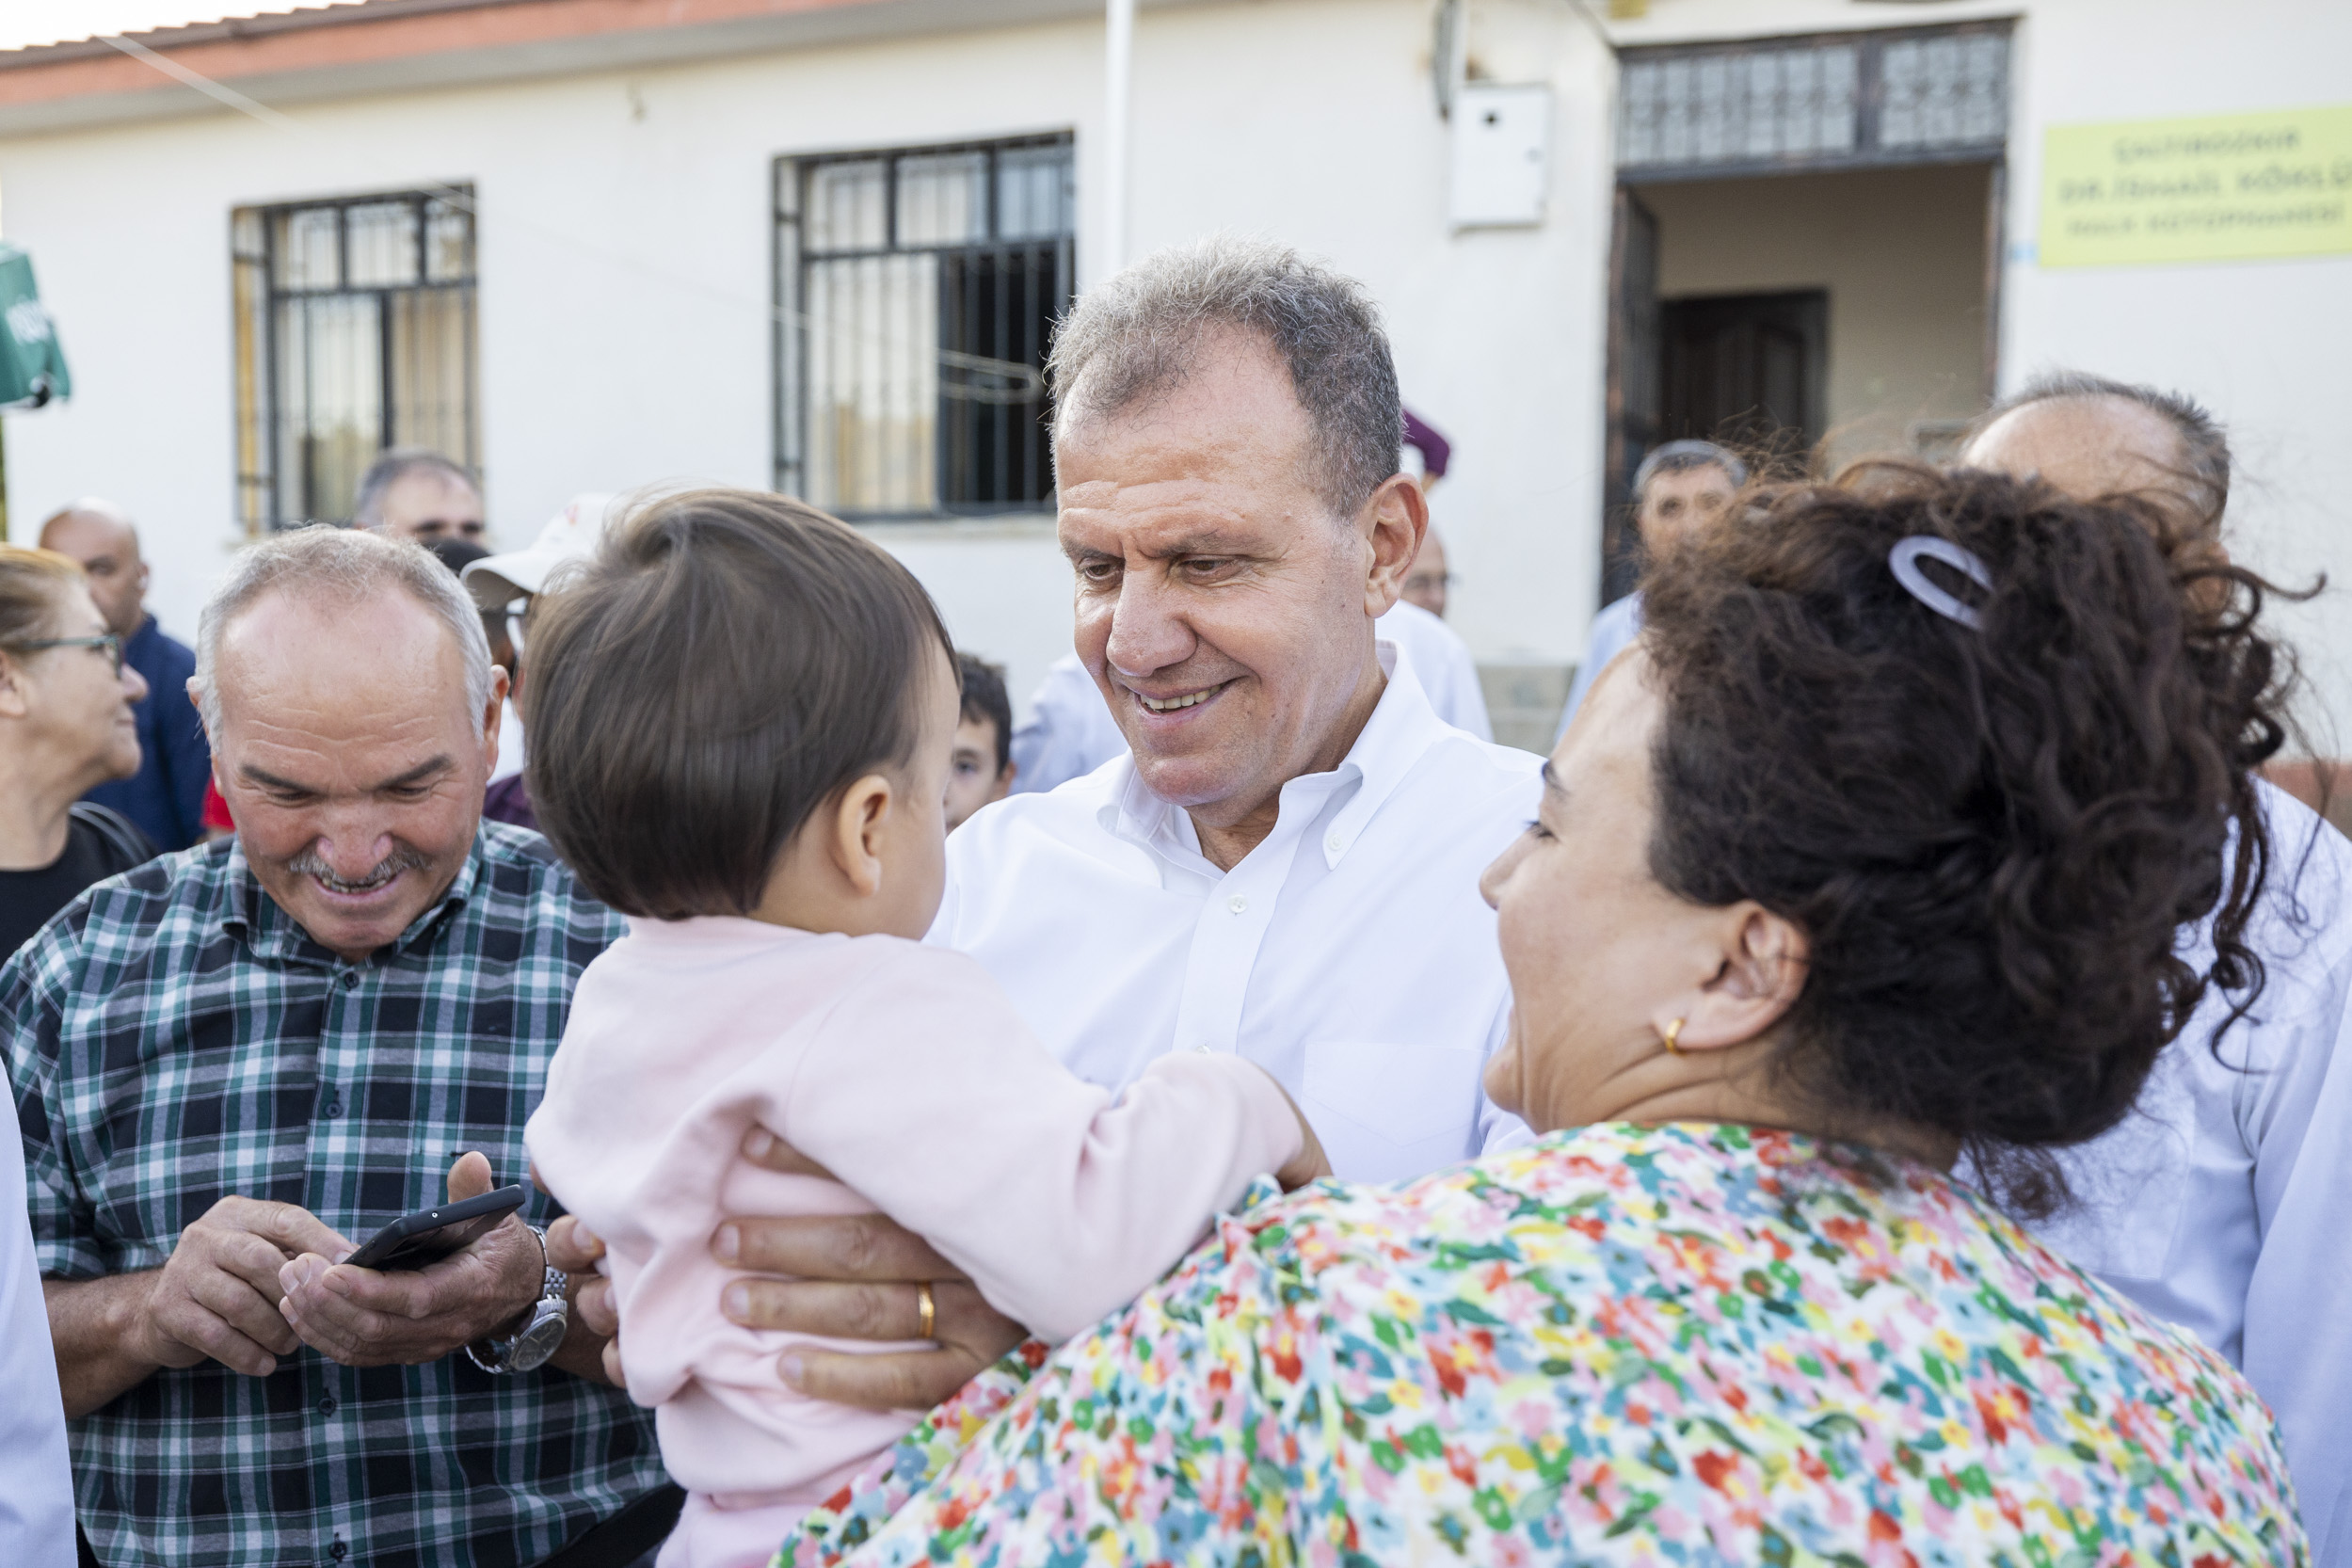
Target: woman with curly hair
1870 854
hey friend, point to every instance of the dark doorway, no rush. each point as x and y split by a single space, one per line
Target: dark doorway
1749 370
1633 384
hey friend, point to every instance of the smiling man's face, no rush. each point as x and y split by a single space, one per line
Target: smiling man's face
350 760
1223 609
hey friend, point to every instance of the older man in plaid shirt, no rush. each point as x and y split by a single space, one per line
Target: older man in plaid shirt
236 1062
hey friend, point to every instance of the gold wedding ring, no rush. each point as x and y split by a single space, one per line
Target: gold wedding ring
927 1307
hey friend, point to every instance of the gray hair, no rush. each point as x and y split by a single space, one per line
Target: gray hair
2204 445
1135 338
367 507
1683 457
343 566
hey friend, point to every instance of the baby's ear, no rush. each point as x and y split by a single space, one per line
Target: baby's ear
859 817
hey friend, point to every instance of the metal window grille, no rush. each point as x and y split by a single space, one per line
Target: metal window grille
916 291
1837 101
356 331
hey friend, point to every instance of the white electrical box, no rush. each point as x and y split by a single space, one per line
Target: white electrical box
1502 154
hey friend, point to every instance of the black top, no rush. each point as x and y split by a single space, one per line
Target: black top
98 844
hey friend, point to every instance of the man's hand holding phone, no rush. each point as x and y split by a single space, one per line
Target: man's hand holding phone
217 1296
364 1317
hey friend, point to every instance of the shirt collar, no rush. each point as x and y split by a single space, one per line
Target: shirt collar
1400 731
251 916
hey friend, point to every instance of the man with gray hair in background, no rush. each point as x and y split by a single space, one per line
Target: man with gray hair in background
1679 487
234 1063
1284 866
411 493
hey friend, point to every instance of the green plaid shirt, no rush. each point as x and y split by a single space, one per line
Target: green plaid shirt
172 1038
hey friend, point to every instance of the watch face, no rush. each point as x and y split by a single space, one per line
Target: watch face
534 1344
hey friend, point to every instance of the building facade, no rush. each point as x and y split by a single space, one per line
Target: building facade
596 244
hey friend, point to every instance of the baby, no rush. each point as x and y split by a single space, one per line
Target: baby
740 716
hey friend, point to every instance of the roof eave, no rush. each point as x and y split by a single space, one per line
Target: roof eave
90 84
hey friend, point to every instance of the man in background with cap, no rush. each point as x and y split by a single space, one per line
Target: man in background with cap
503 586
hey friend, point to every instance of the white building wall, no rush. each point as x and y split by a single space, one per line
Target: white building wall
2268 344
625 253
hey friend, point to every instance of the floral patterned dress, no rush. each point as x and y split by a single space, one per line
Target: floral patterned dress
1690 1345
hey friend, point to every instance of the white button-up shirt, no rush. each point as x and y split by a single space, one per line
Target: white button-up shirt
2224 1201
1349 954
36 1487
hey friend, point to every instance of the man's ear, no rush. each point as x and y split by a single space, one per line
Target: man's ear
490 717
15 700
1397 515
855 845
1762 961
195 699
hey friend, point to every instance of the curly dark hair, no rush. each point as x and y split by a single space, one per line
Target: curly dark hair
1991 836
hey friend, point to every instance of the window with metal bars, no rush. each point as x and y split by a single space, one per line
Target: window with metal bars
1834 101
355 322
916 293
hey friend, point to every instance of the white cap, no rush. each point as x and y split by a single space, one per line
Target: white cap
571 534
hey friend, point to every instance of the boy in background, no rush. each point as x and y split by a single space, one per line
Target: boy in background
982 770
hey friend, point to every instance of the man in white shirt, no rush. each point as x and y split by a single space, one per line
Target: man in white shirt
1284 864
2224 1202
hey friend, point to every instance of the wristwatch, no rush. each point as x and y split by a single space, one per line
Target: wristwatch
527 1350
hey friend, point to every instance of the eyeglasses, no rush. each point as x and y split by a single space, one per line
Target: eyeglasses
112 644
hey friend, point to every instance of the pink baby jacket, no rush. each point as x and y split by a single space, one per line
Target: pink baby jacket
903 1070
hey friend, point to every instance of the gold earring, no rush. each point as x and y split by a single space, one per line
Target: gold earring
1673 1036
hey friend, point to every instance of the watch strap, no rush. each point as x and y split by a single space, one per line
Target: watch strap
552 1299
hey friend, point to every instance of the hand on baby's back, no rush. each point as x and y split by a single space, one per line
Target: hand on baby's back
845 1276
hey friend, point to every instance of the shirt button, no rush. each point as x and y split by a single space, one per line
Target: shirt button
1238 903
334 1105
1335 843
326 1405
1203 1050
338 1551
350 978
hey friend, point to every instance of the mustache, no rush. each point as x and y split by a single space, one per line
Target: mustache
402 858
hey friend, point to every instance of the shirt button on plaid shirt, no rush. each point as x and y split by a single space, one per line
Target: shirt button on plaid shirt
173 1038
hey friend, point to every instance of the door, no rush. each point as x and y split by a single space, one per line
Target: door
1746 370
1633 384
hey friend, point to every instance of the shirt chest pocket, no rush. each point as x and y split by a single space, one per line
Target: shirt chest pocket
1388 1112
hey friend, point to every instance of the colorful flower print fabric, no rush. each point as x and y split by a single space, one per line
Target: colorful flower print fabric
1695 1345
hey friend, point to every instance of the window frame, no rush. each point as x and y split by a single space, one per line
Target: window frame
1868 150
792 176
256 398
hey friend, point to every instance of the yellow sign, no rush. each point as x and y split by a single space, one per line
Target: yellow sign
2229 188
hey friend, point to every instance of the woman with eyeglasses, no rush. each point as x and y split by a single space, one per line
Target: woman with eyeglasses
66 724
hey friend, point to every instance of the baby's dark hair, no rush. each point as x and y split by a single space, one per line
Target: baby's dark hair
1990 835
985 703
725 664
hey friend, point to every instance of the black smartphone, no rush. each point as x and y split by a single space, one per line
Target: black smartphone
431 1235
